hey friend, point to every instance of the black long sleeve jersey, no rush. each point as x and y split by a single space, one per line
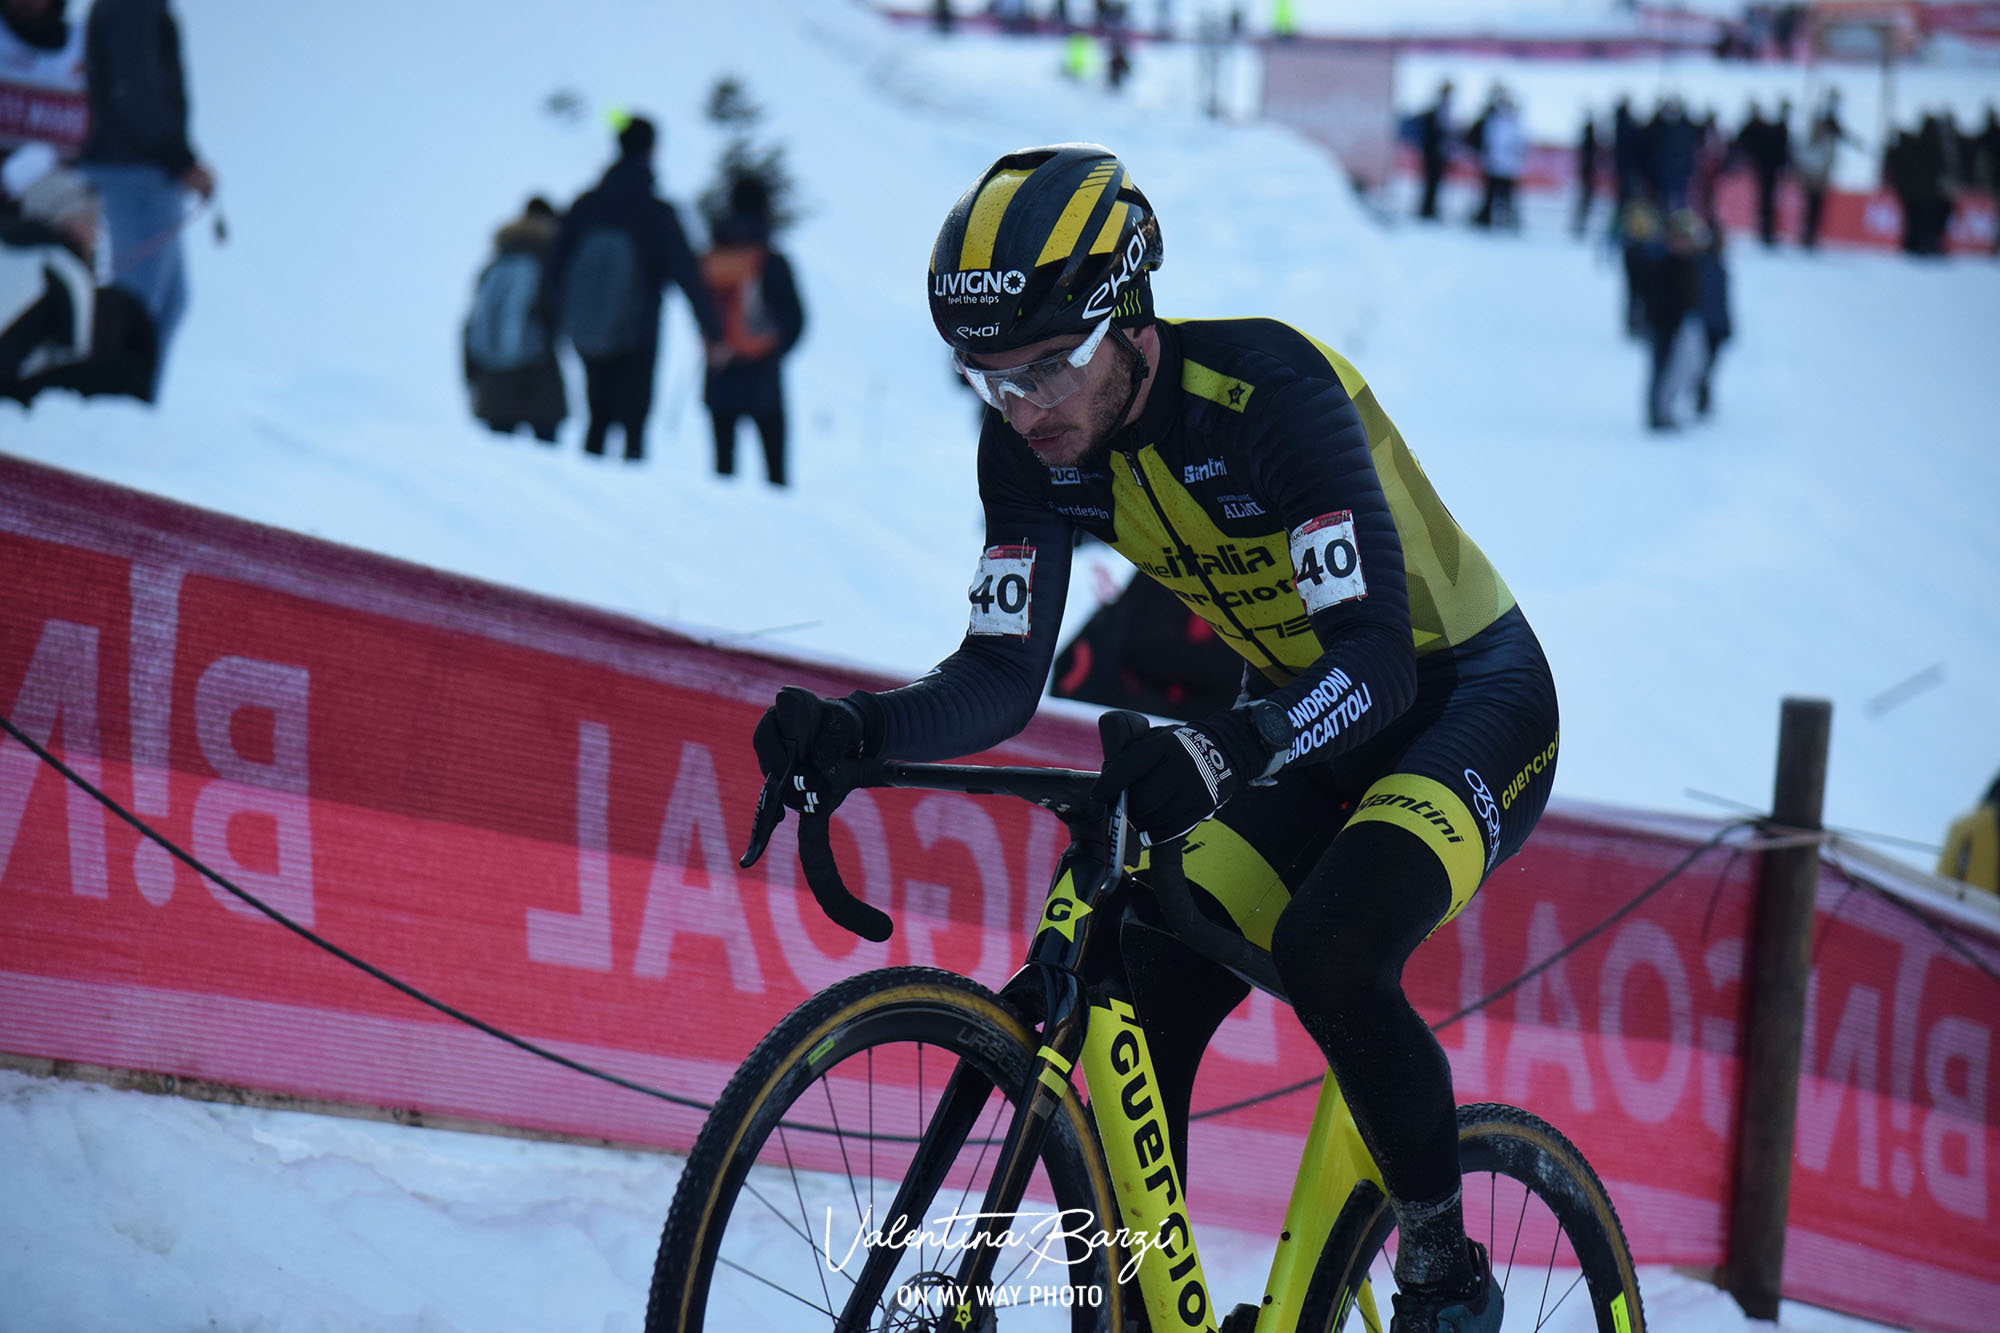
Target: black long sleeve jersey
1266 488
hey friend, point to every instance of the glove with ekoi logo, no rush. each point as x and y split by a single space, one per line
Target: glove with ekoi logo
1175 777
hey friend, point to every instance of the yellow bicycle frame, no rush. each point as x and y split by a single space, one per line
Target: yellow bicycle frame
1124 1100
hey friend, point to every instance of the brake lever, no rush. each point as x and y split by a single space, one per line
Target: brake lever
770 813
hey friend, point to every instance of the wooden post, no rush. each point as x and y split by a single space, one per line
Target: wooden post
1779 963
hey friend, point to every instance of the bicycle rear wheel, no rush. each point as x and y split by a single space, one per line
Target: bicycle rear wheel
801 1158
1557 1249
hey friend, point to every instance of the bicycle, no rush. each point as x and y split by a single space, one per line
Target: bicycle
834 1111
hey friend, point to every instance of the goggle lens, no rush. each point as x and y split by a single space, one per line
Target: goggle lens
1044 383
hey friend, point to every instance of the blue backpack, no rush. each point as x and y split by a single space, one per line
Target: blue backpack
502 333
602 312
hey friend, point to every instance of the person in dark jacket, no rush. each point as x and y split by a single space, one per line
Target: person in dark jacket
1661 263
1671 145
1711 288
510 346
752 289
1586 176
139 158
1766 147
1434 144
1627 156
620 247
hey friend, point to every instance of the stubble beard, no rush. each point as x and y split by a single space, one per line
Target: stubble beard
1100 419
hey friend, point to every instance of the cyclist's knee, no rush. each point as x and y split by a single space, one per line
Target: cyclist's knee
1369 903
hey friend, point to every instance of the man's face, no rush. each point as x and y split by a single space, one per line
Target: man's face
1072 430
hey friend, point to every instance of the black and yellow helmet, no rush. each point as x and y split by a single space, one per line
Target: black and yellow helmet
1049 242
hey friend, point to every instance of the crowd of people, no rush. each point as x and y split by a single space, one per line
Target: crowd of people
98 180
1661 174
595 278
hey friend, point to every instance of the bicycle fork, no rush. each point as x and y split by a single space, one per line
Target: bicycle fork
1060 942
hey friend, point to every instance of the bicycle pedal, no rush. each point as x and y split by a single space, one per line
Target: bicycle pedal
1240 1320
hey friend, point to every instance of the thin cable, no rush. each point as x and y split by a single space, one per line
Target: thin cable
306 933
1546 963
1923 918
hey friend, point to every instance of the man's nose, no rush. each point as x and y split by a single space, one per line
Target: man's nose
1022 414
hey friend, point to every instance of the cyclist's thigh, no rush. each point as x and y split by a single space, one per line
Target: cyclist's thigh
1253 855
1473 781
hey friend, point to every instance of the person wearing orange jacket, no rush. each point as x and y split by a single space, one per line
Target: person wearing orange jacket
762 318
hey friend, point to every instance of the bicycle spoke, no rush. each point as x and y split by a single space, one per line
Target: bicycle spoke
759 1277
871 1130
1514 1246
758 1195
833 1113
799 1193
1550 1312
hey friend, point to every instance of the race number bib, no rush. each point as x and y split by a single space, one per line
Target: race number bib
1326 564
1002 591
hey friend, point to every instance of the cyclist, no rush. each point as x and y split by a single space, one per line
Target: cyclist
1249 469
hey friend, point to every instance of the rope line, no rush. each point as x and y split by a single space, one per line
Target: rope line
1618 914
1779 838
308 934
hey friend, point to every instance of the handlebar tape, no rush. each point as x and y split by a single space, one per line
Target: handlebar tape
823 877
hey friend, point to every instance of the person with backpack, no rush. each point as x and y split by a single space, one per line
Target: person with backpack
510 350
762 318
619 249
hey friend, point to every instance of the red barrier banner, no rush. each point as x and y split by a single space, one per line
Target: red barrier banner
532 811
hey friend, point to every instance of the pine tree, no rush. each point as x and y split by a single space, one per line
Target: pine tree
730 107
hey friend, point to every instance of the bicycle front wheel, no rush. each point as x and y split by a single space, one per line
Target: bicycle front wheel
889 1093
1558 1252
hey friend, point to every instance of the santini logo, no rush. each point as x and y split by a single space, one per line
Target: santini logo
979 282
1208 471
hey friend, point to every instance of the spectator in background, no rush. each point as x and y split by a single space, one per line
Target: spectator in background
618 250
1661 261
1814 163
510 345
1434 146
1146 650
1919 168
1627 156
1711 159
139 158
1118 63
1587 161
1766 146
1667 158
1972 845
752 289
41 77
1711 296
1985 173
1503 156
58 330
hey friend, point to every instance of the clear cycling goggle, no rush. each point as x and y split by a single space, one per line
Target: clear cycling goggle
1044 383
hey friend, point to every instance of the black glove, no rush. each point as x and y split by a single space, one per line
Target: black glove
1175 777
809 749
802 740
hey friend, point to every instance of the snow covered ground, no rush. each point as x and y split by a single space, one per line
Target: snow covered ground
1829 533
129 1212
